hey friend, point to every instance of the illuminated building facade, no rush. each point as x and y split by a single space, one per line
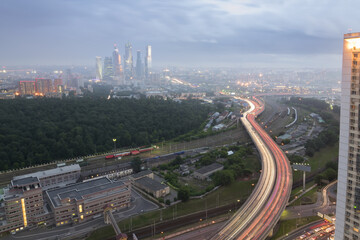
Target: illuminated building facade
117 67
58 85
98 68
43 86
348 190
139 66
27 88
82 201
54 197
128 63
23 204
148 62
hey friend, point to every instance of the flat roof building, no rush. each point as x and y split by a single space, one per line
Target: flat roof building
206 171
113 171
56 177
142 174
80 202
153 187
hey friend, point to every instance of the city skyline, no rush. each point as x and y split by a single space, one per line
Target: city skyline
190 33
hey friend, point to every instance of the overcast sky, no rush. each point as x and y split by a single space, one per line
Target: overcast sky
235 33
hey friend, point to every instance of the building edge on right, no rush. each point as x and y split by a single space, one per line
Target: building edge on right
348 189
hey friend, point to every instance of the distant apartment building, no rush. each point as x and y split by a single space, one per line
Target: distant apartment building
27 88
348 190
43 86
58 85
7 95
54 197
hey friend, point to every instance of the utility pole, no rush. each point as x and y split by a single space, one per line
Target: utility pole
205 209
114 140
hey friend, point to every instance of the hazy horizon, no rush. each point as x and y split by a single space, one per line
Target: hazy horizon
213 33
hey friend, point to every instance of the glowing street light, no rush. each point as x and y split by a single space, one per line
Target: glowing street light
114 140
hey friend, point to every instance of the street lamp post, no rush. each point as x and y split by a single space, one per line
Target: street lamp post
114 140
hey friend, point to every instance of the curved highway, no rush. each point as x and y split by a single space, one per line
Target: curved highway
257 217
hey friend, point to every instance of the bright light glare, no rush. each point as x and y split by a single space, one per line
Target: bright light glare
353 43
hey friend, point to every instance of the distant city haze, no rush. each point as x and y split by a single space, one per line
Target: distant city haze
214 33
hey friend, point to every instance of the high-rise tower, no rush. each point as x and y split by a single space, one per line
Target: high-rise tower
348 189
128 64
148 62
98 68
108 72
139 66
117 68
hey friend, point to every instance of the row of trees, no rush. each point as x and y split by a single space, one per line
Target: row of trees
330 174
313 104
326 138
35 131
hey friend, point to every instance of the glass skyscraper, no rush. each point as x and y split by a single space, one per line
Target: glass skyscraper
148 62
128 63
98 68
108 73
139 66
117 67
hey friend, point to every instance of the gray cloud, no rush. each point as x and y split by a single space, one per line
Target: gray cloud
191 32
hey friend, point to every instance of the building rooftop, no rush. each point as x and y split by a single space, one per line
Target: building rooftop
85 190
151 184
107 169
24 181
141 174
50 172
209 168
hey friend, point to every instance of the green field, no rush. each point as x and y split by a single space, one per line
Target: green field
319 160
290 225
308 198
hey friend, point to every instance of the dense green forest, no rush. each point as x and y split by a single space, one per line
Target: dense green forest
34 131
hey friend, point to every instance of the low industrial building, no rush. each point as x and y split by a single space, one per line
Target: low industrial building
153 187
56 177
204 172
142 174
145 181
113 171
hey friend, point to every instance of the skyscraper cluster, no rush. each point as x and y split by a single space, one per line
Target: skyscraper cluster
121 71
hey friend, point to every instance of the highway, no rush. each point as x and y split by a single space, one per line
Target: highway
257 217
